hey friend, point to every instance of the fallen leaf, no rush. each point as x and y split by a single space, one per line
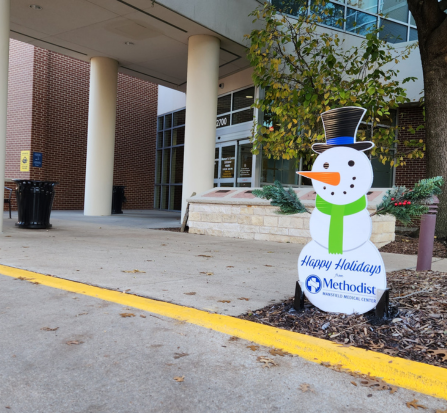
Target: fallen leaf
304 387
190 293
441 411
163 245
233 338
354 383
224 301
179 379
206 256
267 362
74 342
142 316
230 266
24 278
414 404
135 272
278 352
253 348
440 352
125 315
266 265
49 329
35 282
179 355
209 273
243 298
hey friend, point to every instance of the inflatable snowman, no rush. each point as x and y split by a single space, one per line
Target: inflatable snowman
341 270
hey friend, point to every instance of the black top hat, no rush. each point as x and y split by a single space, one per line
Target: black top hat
340 128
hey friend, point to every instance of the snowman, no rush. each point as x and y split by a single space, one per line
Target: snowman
341 270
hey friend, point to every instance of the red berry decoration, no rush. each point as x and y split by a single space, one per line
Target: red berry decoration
392 199
400 203
405 202
395 204
409 203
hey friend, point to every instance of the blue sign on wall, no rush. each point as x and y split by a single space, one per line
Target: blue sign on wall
37 159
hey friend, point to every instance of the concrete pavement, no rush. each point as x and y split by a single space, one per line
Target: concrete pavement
129 364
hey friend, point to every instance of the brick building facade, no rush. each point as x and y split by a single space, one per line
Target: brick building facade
48 98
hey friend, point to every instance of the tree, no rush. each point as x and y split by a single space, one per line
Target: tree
306 70
431 21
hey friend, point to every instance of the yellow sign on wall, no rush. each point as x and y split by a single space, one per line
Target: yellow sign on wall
24 161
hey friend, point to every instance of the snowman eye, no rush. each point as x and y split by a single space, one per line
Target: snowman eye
325 165
351 163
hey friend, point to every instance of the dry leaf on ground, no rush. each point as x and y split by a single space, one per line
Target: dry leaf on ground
278 352
209 273
414 404
230 266
253 348
206 256
135 272
440 352
233 338
74 342
266 265
125 315
304 387
179 379
441 411
192 293
224 301
49 329
267 361
180 355
142 316
243 298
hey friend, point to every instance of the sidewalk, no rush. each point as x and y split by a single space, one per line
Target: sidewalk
172 266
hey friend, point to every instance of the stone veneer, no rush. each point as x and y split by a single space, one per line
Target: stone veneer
261 222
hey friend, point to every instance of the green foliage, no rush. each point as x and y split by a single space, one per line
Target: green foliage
287 201
306 70
407 204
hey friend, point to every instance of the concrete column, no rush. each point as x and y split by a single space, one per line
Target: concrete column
201 112
4 65
101 136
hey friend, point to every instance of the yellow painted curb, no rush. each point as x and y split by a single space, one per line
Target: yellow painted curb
412 375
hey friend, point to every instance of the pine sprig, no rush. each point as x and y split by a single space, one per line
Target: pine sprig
286 200
407 204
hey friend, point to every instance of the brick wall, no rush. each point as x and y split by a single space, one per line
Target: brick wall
415 169
49 114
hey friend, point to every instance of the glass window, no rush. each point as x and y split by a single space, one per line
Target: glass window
160 123
393 32
167 138
164 197
224 104
367 5
242 116
293 7
412 20
168 121
395 9
165 169
331 14
244 98
413 35
160 140
360 23
175 200
158 168
216 163
177 165
157 197
283 170
179 118
178 136
228 161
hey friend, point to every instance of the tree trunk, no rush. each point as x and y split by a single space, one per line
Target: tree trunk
431 22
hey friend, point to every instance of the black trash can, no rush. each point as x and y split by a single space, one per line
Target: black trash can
34 203
118 199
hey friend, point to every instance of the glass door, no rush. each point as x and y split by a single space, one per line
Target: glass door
225 165
244 164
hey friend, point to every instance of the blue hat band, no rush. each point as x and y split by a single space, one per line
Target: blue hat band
341 140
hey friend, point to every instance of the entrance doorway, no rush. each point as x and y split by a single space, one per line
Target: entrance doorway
233 164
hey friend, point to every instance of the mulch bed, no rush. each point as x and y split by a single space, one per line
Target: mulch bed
416 329
409 245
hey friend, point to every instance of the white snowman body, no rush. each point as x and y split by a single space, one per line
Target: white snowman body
351 281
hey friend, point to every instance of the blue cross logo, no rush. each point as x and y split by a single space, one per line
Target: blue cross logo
313 284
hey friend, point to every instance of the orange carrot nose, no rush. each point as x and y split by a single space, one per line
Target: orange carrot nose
331 178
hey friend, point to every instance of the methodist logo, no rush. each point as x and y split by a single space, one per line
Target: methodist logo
313 284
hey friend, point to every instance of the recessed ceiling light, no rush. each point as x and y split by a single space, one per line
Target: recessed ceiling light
129 43
35 7
249 97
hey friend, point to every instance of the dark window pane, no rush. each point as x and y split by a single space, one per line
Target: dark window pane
164 197
395 9
159 165
360 23
166 163
179 118
178 136
168 121
412 20
413 34
175 200
160 123
177 165
160 140
216 153
331 14
224 104
157 198
368 5
293 7
228 151
223 121
216 169
244 98
167 138
393 32
242 116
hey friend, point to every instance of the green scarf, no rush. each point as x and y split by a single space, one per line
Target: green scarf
337 213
